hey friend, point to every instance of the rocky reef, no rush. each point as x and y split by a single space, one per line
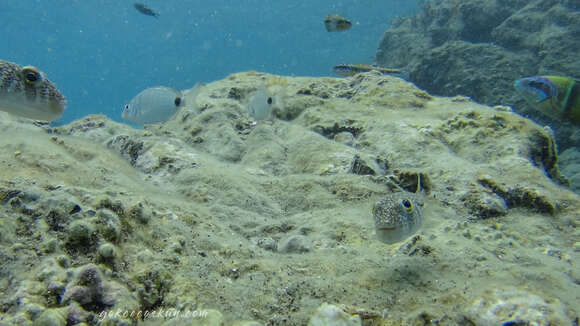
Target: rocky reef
478 48
262 223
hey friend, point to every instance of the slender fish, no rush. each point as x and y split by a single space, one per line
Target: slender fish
142 8
351 69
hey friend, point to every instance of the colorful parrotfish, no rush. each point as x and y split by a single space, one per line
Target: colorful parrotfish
556 96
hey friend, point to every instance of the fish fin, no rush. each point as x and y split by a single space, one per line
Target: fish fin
189 96
569 97
544 99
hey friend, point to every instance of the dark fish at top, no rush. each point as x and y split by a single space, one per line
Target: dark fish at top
556 96
336 23
142 8
351 69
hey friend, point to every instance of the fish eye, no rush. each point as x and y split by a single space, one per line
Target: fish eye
177 101
126 107
32 77
407 204
269 100
31 74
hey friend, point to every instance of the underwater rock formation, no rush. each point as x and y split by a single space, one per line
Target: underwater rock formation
261 223
479 48
330 315
505 306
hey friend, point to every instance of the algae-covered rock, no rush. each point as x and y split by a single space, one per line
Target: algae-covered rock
569 161
296 244
90 292
108 225
52 317
199 211
209 317
153 284
81 235
479 48
268 244
511 306
202 317
139 212
516 196
331 315
246 323
87 289
484 203
544 154
107 252
484 41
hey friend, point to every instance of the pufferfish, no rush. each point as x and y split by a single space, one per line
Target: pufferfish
556 96
397 216
26 92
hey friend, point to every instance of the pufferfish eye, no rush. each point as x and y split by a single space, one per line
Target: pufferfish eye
32 74
407 204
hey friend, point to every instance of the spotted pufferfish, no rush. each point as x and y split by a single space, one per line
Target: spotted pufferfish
397 216
26 92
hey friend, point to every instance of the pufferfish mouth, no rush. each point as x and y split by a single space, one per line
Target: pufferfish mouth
387 228
32 109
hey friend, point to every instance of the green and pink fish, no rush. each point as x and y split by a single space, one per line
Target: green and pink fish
556 96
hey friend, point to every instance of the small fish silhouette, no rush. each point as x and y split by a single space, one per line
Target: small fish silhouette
142 8
351 69
336 23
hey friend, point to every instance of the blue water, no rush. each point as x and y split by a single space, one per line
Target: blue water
102 53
